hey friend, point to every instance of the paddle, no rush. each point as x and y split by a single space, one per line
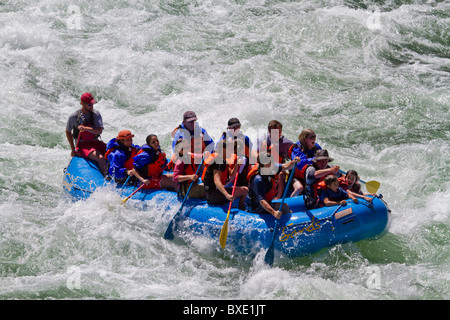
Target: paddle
224 232
270 252
125 183
134 192
169 231
371 186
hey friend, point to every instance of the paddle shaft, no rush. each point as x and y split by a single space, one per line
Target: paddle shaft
268 258
126 181
224 232
169 233
134 192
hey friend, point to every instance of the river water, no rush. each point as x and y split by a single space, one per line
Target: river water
370 77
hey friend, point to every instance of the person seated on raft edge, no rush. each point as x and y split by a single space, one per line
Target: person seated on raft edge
185 168
305 148
120 153
85 126
350 184
219 171
313 174
263 186
331 194
149 165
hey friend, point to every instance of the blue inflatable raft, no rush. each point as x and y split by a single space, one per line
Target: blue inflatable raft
300 233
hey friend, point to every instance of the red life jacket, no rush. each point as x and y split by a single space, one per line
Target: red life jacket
246 144
273 190
318 185
156 168
129 161
342 183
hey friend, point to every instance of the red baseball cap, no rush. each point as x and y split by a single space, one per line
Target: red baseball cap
87 98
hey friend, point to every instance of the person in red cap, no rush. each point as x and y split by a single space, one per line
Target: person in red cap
83 130
120 153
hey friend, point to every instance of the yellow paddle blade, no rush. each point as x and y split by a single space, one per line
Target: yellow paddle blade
372 186
224 233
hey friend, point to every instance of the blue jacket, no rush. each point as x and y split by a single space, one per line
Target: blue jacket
305 158
117 158
147 156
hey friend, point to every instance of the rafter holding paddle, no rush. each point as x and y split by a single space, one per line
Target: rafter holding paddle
372 186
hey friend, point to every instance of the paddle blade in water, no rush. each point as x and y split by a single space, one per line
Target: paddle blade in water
168 235
224 233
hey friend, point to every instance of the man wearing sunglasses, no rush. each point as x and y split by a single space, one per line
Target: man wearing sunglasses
83 130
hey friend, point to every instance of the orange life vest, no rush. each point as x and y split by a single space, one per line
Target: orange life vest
200 142
273 190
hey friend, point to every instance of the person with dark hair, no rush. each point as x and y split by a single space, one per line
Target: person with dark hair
185 167
234 132
222 167
280 143
350 183
149 165
332 194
